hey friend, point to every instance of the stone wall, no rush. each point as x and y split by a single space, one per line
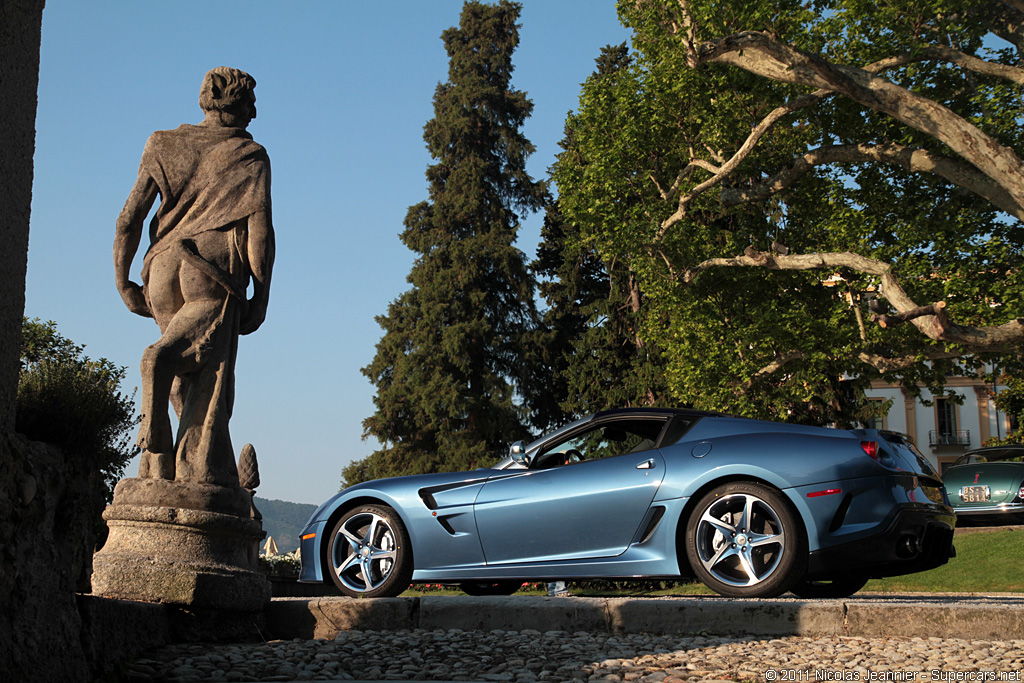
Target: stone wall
45 542
39 545
20 31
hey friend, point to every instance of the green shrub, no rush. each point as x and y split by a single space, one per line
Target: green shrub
73 402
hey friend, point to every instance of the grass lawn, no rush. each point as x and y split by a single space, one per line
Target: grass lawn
987 561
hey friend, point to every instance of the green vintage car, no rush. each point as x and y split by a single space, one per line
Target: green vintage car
986 486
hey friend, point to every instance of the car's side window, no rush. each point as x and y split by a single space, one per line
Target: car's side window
601 441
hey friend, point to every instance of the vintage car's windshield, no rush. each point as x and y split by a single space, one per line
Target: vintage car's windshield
1008 454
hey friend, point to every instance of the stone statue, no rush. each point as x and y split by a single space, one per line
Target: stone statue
186 531
210 236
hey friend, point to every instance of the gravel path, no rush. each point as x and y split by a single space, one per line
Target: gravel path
526 656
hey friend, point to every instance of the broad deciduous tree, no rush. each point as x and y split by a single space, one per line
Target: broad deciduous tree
449 366
813 194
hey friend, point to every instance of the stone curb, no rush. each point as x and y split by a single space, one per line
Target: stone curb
114 630
304 618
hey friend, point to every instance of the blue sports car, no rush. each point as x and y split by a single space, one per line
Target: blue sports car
748 507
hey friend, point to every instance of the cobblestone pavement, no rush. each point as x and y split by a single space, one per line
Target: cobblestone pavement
526 656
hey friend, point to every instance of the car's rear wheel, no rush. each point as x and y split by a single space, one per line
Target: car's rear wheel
490 587
828 588
369 554
744 540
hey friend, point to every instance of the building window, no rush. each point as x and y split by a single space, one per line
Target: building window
946 432
877 422
945 417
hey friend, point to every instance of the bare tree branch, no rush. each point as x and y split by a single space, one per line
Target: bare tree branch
689 37
930 320
1015 4
726 169
948 54
881 363
909 158
760 54
777 364
1006 20
936 309
981 184
827 261
886 364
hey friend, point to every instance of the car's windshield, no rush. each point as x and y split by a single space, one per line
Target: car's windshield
992 455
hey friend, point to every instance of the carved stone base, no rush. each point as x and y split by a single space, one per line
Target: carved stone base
184 544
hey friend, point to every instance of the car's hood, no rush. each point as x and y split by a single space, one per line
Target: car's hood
398 488
417 481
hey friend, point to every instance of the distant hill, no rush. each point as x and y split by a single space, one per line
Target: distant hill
284 521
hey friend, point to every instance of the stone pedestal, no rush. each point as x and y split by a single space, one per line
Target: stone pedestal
186 544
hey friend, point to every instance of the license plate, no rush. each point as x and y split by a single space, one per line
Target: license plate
974 494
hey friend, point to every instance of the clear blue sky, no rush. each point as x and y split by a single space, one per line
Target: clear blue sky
344 89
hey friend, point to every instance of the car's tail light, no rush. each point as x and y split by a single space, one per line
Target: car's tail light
1020 493
871 448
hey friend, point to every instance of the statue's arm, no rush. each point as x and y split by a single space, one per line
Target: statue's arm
261 249
128 234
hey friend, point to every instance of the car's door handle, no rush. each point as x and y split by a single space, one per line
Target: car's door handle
646 464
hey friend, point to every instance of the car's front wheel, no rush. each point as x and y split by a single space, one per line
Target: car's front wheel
744 540
369 554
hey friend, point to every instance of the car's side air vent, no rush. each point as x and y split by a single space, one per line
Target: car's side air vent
657 513
840 516
446 525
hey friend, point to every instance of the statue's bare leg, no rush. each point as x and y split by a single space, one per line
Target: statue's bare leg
163 365
159 368
159 364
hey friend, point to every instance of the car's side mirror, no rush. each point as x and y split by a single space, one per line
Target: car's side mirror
517 452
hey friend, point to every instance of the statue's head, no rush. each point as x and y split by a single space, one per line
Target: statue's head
230 91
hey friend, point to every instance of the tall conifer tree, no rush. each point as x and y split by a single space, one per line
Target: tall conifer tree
449 365
590 345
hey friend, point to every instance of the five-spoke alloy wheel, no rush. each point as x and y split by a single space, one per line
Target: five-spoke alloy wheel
744 540
369 555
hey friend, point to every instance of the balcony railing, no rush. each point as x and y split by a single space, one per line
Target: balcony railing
959 437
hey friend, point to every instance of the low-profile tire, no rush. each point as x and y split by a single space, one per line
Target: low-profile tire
828 588
745 540
369 554
490 587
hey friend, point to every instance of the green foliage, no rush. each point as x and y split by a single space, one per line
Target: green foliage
73 402
787 344
1011 401
593 353
450 363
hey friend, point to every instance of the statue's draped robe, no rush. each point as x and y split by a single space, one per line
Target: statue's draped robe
210 179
